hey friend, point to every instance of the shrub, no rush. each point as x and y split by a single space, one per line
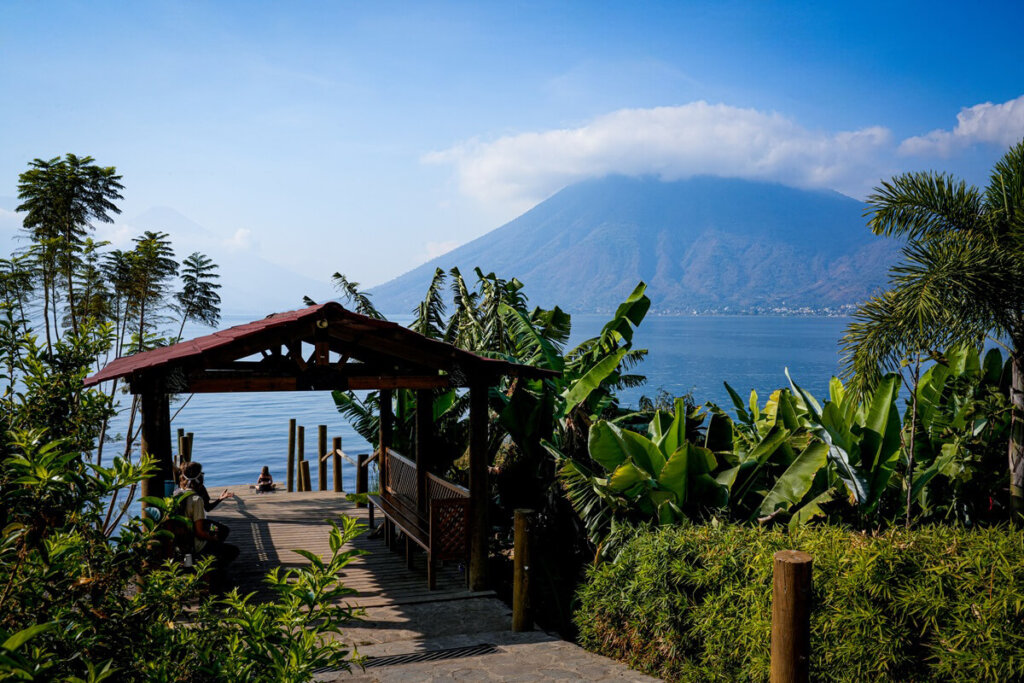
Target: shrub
694 603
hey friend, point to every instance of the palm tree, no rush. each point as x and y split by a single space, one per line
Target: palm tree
961 277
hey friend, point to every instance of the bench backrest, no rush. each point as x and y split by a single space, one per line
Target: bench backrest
400 473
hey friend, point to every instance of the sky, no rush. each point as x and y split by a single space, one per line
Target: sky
369 137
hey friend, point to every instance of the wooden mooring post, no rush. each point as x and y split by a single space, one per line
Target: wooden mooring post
291 455
791 617
336 452
521 572
301 455
189 436
321 455
304 469
362 476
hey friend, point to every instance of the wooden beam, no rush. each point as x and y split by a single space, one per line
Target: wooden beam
424 434
156 439
478 498
322 380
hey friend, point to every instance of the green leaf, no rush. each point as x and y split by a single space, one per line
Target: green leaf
811 509
674 474
605 445
675 436
642 451
24 635
581 389
626 477
796 481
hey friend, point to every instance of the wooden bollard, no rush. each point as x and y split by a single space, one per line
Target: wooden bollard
362 476
304 469
521 572
321 455
181 447
336 450
301 454
188 446
791 617
291 455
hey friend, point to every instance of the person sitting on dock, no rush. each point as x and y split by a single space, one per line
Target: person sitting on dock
207 536
199 487
265 483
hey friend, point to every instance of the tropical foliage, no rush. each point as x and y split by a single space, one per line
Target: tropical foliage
793 460
84 593
962 276
693 603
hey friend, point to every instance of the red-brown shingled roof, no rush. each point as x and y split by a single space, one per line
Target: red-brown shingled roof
195 348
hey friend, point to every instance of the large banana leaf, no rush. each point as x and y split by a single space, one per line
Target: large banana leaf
796 481
581 389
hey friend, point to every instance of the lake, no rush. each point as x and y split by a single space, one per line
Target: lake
236 434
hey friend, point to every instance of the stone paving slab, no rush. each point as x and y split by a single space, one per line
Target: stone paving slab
549 659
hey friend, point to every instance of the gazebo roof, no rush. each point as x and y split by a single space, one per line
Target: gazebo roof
372 354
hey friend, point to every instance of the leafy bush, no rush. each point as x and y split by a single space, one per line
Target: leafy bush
694 603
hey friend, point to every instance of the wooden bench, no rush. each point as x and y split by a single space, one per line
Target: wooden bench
440 526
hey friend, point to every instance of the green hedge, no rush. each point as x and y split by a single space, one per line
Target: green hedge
694 603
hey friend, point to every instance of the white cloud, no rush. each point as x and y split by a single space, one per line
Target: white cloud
1001 124
241 240
435 249
668 142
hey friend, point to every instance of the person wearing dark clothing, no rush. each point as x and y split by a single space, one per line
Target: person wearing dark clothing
207 538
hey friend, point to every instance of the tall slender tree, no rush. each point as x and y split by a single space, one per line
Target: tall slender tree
198 299
962 276
61 199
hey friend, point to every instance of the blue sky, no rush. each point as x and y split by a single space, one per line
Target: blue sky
366 137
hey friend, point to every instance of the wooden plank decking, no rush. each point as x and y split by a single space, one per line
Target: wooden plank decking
268 527
402 618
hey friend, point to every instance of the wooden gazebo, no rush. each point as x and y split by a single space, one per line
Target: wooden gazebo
323 348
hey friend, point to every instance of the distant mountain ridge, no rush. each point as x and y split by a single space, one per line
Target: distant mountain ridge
705 244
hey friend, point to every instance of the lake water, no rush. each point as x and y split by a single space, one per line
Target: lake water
236 434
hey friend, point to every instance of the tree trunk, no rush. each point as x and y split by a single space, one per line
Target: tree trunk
1016 454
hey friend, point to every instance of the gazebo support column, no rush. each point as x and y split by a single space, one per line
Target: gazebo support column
478 487
384 443
155 438
424 430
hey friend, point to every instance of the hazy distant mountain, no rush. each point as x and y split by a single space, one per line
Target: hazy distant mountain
700 244
250 284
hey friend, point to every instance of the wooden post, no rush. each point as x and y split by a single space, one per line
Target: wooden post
321 452
189 436
521 572
362 478
478 487
301 454
304 469
181 445
384 442
424 430
291 455
791 617
156 439
336 450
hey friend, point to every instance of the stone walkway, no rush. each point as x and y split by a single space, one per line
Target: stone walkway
463 635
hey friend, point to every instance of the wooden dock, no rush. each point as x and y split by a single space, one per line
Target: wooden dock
268 527
409 633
